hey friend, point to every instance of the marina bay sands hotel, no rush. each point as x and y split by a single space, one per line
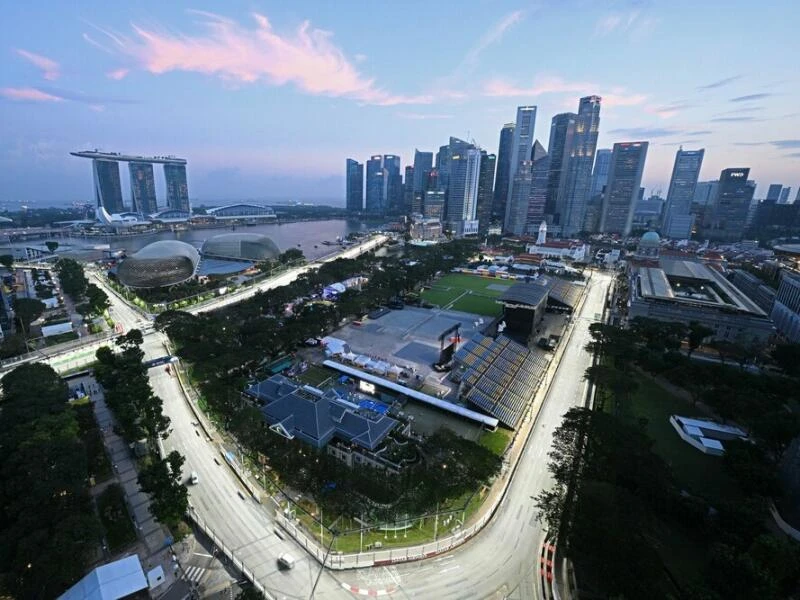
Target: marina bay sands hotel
108 190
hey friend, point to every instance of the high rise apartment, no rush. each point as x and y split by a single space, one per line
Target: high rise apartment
177 187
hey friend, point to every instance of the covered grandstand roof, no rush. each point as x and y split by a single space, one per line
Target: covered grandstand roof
565 292
501 376
531 294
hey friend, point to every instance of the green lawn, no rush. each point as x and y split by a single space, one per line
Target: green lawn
701 474
115 519
480 300
479 305
496 440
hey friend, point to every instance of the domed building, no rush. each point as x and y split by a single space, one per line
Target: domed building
649 246
159 264
240 246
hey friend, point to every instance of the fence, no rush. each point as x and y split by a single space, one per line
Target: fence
53 351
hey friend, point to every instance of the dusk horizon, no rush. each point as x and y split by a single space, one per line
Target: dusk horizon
268 103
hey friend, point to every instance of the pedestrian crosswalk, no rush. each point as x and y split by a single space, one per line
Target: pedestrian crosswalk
194 574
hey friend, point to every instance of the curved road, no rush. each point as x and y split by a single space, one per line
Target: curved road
499 562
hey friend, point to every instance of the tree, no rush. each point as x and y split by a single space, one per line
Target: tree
52 246
776 430
27 310
787 357
169 497
291 255
6 260
697 333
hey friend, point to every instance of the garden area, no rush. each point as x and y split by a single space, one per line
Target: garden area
630 492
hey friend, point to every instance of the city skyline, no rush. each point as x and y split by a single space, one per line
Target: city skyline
167 80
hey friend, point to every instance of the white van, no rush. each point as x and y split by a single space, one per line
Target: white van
194 478
286 561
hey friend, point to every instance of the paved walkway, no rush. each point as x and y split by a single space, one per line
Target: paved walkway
153 546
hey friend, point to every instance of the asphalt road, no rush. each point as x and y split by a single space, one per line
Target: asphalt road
500 562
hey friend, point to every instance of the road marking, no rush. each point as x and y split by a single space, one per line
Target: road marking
201 554
454 568
194 574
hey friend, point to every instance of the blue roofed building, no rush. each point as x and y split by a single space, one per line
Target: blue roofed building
317 417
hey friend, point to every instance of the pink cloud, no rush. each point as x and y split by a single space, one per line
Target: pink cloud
556 85
51 70
541 85
29 95
306 58
118 74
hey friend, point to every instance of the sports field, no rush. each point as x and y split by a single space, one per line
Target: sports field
467 293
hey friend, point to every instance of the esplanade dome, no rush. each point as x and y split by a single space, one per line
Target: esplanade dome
240 246
160 264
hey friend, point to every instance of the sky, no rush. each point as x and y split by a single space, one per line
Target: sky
266 100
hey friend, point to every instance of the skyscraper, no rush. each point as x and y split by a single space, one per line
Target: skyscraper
394 183
433 207
423 163
784 199
622 189
517 206
462 190
678 216
355 186
774 192
485 190
502 180
443 166
562 130
376 184
538 194
107 187
408 189
731 206
602 161
521 145
143 188
577 184
177 188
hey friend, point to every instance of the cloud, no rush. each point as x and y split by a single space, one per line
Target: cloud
733 119
118 74
751 97
669 110
97 107
493 35
633 23
501 88
719 83
699 132
786 144
29 94
644 132
306 58
423 117
793 155
744 109
51 70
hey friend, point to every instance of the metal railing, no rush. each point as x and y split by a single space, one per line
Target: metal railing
52 351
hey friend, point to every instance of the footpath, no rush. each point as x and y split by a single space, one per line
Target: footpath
154 547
